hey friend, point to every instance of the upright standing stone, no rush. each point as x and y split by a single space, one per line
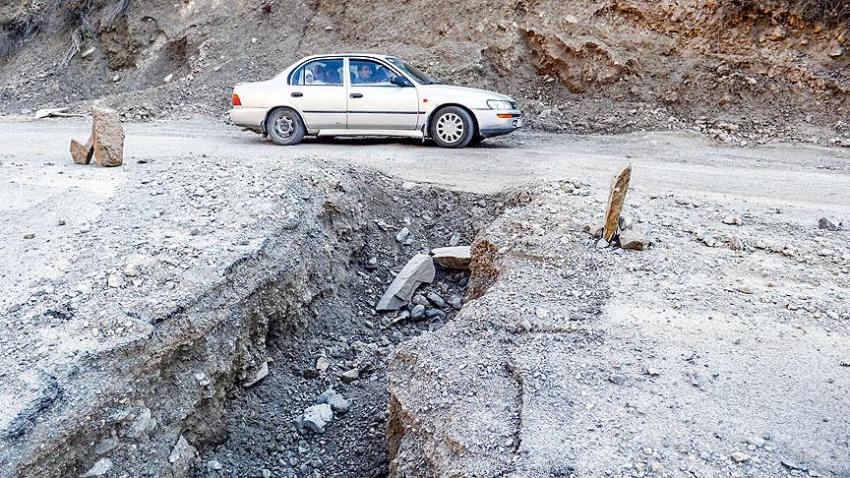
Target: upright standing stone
107 137
615 202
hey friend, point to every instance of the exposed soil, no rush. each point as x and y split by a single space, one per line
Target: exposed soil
736 71
146 336
263 425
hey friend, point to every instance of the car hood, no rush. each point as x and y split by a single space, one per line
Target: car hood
464 92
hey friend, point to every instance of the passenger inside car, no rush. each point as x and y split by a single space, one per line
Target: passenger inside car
322 73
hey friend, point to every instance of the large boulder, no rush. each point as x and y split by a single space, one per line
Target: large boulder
107 137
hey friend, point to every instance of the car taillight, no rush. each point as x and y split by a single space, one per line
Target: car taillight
236 100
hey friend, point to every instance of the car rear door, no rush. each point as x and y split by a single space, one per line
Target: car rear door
319 93
374 102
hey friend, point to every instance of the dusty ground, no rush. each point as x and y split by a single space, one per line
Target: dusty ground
659 362
683 360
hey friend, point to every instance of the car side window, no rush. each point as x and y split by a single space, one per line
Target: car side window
326 72
369 73
297 77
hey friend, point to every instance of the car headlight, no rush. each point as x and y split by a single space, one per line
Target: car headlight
500 105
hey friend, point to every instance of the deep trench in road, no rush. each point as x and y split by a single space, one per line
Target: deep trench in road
337 333
175 397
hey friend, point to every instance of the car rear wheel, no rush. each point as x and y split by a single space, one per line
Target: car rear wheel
452 127
285 127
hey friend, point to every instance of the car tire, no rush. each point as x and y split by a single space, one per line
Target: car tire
285 127
452 127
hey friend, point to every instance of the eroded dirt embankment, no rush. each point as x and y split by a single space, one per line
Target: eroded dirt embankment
124 362
741 71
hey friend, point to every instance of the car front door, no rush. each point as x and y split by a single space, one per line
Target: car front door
375 102
318 92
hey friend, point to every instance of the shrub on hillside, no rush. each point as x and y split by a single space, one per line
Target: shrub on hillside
20 19
829 12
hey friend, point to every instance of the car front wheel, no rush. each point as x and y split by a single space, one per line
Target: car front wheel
452 127
285 127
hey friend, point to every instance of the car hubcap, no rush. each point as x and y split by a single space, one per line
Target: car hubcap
450 128
284 126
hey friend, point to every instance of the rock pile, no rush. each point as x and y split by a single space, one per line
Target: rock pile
317 416
106 143
419 270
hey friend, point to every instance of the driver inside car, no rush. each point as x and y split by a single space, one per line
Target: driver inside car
364 74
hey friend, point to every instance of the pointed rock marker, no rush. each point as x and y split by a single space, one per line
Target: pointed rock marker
615 202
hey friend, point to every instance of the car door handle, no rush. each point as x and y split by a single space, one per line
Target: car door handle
357 95
297 94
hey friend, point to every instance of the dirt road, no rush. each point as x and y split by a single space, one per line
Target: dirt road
692 320
41 186
797 176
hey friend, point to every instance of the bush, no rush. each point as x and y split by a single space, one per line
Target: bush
21 19
832 12
829 12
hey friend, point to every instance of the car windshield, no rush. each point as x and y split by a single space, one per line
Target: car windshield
417 75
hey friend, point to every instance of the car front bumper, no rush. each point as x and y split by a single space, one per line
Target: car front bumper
490 124
251 118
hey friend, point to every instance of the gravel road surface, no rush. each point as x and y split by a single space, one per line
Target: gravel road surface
804 176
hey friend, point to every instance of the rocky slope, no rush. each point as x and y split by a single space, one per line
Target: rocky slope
731 69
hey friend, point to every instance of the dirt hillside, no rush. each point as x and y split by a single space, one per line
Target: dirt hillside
737 70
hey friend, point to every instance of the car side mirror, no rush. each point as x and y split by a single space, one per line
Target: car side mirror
401 81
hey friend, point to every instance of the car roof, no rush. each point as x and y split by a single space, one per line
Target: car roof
292 67
368 55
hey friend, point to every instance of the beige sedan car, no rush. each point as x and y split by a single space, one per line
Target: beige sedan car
369 95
